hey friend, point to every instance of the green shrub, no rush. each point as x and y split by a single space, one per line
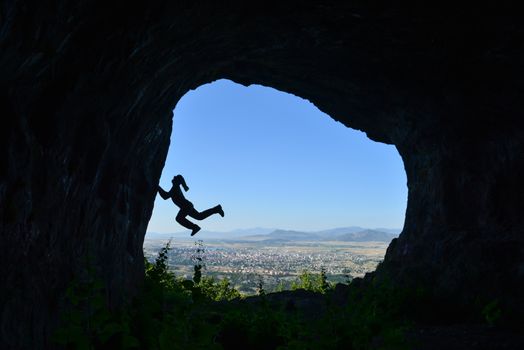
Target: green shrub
260 286
492 312
312 282
87 322
217 290
176 313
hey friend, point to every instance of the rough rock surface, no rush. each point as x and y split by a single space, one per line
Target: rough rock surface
87 90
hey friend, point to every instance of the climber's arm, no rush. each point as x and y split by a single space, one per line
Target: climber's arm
162 193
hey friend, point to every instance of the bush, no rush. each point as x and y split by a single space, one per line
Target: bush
87 322
177 313
312 282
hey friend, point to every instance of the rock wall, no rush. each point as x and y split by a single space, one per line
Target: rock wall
86 94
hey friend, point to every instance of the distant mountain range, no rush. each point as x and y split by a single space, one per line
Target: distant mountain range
350 234
366 236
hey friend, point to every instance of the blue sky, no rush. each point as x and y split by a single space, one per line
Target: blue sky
274 160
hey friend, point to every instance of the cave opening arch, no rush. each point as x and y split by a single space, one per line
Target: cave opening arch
91 118
257 144
276 163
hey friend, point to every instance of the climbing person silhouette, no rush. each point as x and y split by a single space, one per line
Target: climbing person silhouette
186 207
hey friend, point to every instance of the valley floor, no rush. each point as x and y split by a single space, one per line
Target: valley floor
275 264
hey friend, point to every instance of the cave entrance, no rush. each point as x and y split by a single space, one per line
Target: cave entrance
288 176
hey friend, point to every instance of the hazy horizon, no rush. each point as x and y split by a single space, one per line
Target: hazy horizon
262 230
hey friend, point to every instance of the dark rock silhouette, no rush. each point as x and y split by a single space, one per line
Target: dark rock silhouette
86 99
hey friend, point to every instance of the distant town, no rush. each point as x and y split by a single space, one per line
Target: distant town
274 258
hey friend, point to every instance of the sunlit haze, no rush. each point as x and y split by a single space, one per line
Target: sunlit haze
274 160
